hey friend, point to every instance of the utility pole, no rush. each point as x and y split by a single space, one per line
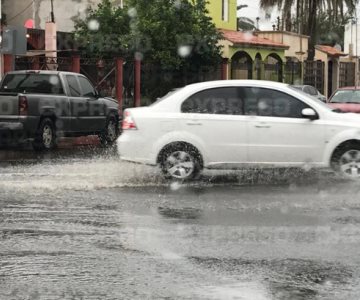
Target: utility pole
52 12
51 40
1 56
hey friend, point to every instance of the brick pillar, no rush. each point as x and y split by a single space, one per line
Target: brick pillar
224 68
119 82
9 63
137 82
75 65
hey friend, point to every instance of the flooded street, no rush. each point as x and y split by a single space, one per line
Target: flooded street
80 224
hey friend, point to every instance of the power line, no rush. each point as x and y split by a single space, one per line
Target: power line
18 14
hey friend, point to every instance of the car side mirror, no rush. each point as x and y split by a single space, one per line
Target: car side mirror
310 114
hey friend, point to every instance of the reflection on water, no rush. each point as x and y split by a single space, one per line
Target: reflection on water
286 279
186 213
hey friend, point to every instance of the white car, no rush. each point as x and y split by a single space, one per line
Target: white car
236 124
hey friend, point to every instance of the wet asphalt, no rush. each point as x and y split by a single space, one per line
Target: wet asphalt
81 224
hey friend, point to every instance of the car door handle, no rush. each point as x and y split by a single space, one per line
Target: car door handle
193 123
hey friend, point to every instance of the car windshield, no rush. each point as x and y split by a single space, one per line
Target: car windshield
346 96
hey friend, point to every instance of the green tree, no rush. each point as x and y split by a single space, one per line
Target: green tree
176 37
175 33
330 32
104 33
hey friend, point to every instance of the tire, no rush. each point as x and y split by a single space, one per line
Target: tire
180 162
45 136
346 161
111 131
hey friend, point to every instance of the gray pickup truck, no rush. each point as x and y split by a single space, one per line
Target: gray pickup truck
41 106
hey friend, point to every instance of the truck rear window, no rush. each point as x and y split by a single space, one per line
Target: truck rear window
32 84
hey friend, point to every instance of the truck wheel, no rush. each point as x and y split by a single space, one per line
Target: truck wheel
45 136
110 132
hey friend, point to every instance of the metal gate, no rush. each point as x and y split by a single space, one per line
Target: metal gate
273 71
241 69
292 72
314 74
347 74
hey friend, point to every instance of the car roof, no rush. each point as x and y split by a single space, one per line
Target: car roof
45 72
240 82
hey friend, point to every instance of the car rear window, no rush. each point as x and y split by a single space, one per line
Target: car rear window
346 96
32 83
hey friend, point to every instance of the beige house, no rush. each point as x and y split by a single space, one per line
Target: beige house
298 43
334 67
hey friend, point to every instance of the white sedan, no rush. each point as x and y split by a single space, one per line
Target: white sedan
237 124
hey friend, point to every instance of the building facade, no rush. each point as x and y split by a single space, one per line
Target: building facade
18 12
246 54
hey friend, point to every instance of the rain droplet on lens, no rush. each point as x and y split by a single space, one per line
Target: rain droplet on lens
184 50
307 167
177 4
132 12
93 25
54 80
139 56
174 186
248 36
59 124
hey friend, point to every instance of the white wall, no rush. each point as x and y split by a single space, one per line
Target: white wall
65 11
351 31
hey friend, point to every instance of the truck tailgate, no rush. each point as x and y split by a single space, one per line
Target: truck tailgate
9 104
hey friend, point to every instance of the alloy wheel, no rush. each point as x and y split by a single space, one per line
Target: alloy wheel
180 165
47 136
350 163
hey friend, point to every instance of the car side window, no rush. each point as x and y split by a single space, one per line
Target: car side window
87 88
73 86
272 103
223 100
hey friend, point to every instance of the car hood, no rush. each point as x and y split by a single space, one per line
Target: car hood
347 119
346 107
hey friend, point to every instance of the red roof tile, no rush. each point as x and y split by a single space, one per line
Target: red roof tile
247 38
330 50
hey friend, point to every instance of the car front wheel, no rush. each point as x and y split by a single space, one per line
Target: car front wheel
347 161
180 163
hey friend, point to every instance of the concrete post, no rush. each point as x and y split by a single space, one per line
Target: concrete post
137 82
9 63
75 66
224 68
119 82
36 63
